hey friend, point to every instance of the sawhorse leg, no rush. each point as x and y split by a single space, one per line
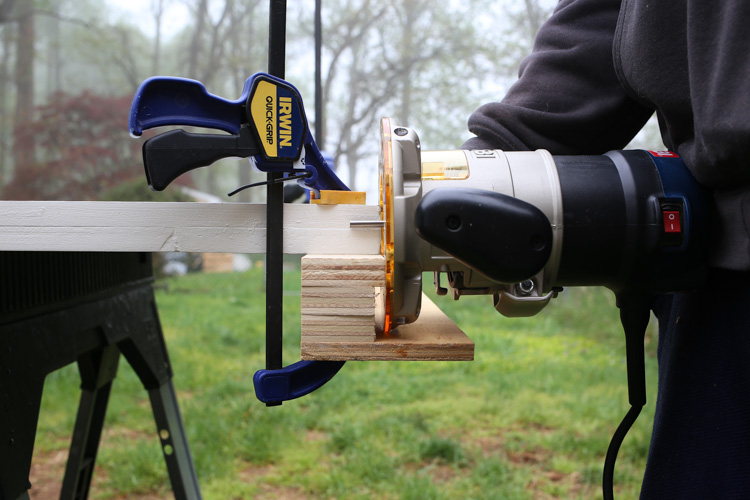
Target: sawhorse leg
94 334
174 443
98 369
148 357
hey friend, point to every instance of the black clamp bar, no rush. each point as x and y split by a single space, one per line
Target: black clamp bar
275 208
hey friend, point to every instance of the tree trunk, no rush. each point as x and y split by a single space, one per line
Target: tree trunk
407 51
196 43
23 147
157 9
535 16
54 62
7 33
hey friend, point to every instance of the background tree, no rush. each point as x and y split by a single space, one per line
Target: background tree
84 154
413 60
23 147
223 50
427 64
7 35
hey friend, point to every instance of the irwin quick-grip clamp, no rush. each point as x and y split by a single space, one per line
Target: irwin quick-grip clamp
266 124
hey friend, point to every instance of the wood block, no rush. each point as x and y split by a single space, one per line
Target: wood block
340 329
372 262
341 274
347 302
218 262
347 339
344 320
338 291
433 337
340 313
338 297
343 283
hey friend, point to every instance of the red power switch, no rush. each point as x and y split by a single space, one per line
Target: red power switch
672 221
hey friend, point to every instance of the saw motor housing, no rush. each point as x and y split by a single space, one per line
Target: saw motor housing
521 225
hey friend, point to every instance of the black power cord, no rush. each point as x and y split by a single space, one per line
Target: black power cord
614 447
634 316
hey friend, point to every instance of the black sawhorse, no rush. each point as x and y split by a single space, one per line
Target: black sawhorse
62 307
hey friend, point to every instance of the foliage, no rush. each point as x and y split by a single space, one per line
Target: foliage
137 190
531 417
86 149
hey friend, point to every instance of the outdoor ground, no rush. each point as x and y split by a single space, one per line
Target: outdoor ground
531 417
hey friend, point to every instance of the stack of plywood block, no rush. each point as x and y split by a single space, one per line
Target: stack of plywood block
339 296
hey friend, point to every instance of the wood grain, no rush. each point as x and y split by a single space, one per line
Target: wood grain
340 317
338 297
185 227
433 337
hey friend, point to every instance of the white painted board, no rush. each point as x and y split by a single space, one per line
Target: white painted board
184 227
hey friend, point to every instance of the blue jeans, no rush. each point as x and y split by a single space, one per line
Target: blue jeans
700 448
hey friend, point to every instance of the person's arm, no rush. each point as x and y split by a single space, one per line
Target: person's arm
567 98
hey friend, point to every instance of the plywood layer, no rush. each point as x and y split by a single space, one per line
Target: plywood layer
433 337
340 318
338 297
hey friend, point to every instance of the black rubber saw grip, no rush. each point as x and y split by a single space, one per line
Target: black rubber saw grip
504 238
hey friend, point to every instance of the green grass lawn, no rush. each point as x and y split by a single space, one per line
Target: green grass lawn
531 417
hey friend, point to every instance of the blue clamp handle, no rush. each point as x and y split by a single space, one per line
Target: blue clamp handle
161 101
293 381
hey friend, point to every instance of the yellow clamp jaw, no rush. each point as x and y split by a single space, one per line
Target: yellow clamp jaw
338 198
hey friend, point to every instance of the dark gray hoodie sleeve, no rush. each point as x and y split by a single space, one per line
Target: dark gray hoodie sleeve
568 98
